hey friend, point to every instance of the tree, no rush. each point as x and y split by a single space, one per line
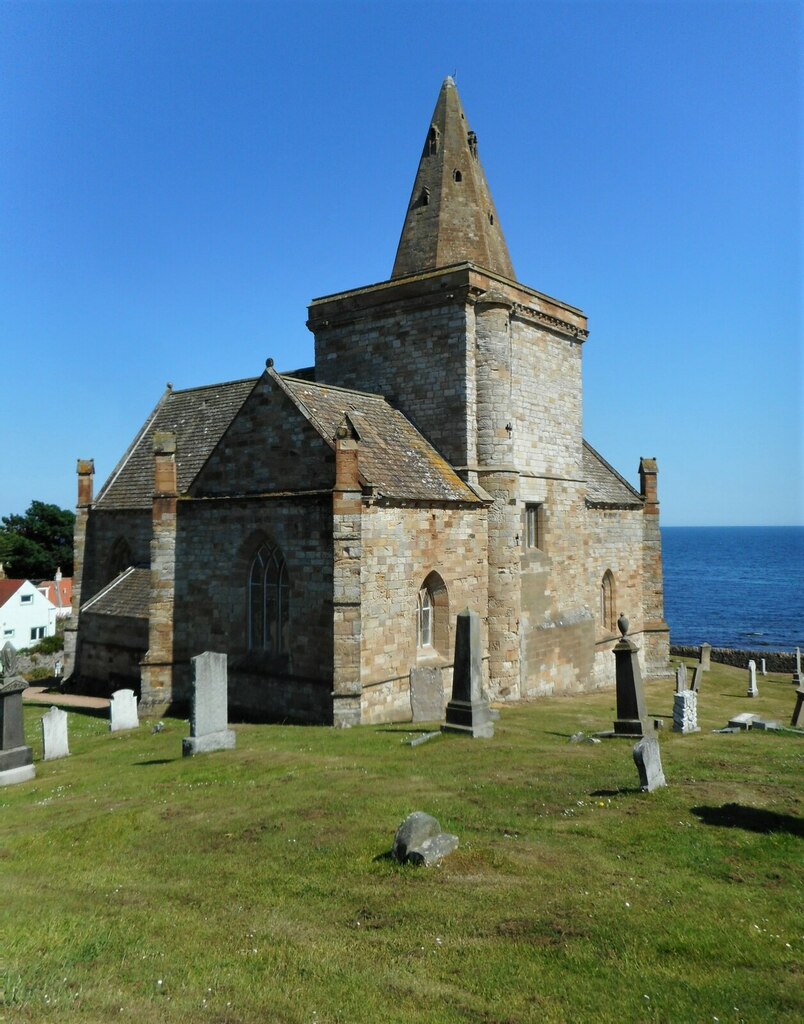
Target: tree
34 545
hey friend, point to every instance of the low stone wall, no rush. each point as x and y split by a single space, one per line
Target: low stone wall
775 661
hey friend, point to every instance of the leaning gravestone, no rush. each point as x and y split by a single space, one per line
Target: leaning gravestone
697 672
419 840
426 695
123 711
631 715
797 721
706 655
649 764
467 712
54 735
752 680
209 723
16 760
685 712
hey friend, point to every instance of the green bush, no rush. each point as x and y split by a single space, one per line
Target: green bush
50 645
38 673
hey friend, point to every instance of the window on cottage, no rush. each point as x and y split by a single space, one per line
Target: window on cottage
534 525
26 598
8 632
38 633
607 616
268 602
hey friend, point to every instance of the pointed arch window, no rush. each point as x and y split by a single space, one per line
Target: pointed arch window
432 617
268 602
607 616
424 622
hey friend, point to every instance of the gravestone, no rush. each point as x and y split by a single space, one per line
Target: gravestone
419 840
797 721
16 759
123 711
797 673
209 722
649 764
632 719
743 721
706 655
681 678
54 735
697 674
426 695
685 712
752 680
467 712
762 669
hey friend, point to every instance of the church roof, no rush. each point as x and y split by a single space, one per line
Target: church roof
128 595
199 417
451 216
605 488
394 459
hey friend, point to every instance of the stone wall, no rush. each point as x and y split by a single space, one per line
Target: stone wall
109 532
775 661
110 652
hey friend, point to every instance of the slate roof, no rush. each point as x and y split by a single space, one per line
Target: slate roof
605 488
393 457
199 417
127 595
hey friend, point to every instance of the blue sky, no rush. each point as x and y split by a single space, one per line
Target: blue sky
178 180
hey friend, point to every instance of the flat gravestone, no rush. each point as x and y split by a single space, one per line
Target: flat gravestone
649 764
706 655
123 711
685 712
743 721
209 722
54 735
467 712
16 759
752 680
426 695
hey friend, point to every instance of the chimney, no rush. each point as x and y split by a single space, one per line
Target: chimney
86 478
648 472
165 464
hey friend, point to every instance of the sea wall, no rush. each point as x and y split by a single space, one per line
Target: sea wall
775 661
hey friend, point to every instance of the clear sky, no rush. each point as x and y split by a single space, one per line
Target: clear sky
178 180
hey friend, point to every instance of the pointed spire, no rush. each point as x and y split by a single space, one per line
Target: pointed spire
451 216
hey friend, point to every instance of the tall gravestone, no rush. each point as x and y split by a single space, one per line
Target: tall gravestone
426 694
649 764
697 672
16 759
681 678
467 712
54 735
123 711
706 656
632 719
797 673
752 680
209 722
762 669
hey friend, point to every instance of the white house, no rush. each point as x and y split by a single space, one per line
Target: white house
26 615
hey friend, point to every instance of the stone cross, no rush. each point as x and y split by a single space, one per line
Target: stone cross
685 712
467 712
649 764
209 722
752 680
697 672
16 759
123 711
631 715
54 735
706 654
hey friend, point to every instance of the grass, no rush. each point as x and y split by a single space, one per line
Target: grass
254 885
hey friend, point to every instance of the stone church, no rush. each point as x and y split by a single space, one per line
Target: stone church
324 527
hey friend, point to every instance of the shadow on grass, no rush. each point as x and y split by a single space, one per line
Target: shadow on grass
622 791
156 760
753 819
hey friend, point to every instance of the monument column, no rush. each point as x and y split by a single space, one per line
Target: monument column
347 510
86 477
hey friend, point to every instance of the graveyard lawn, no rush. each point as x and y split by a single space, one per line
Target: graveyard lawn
254 885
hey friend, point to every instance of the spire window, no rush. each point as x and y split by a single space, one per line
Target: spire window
456 175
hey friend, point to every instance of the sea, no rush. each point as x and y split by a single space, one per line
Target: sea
734 586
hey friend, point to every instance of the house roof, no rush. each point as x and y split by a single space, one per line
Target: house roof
8 588
127 595
605 488
393 457
199 418
60 594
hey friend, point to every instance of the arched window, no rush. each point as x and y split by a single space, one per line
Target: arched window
268 602
432 616
120 558
607 614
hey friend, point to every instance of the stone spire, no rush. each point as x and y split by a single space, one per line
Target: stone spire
451 216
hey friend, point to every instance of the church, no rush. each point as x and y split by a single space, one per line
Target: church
323 528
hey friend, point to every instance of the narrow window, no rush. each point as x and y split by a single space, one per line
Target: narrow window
425 619
268 602
432 140
534 525
26 598
432 616
456 175
607 616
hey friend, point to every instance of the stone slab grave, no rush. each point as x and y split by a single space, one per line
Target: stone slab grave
743 721
54 735
209 721
419 840
752 680
681 678
706 656
797 674
16 759
797 721
467 712
426 695
649 764
697 676
123 711
685 712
